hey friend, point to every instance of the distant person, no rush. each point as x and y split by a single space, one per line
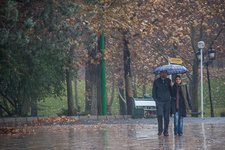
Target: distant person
180 104
161 94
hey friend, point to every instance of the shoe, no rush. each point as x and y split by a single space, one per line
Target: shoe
159 133
180 134
175 133
166 134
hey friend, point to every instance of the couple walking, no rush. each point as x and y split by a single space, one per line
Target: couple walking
170 98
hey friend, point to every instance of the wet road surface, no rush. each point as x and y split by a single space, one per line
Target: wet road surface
140 134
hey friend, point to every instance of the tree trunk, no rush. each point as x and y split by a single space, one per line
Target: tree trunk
194 88
70 103
1 112
127 75
99 89
135 86
26 104
26 107
194 80
94 90
94 103
18 108
76 95
109 104
34 108
88 88
93 84
144 90
69 77
4 106
121 98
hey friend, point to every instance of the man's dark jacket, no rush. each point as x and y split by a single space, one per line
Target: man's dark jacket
161 90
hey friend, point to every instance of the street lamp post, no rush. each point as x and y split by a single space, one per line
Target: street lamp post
211 55
210 98
201 45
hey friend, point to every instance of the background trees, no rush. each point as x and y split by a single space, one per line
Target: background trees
152 31
191 22
39 39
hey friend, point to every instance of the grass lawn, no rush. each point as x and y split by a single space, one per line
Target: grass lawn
217 94
52 106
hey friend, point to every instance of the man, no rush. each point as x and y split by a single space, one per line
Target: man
161 93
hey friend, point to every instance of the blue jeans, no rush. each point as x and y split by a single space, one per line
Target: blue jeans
178 124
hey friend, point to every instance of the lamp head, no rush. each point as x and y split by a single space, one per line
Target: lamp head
198 53
201 44
211 54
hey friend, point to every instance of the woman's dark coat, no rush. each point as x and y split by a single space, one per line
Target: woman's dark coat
182 108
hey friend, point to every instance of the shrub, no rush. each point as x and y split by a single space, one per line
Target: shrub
222 114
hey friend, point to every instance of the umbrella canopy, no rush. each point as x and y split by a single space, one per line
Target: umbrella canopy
171 69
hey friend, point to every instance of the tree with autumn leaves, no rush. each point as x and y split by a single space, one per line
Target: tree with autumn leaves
194 21
148 32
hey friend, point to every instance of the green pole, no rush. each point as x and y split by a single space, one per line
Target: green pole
102 48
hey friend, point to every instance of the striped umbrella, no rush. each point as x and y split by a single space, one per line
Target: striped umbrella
171 69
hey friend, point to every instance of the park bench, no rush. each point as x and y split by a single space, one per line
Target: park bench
143 106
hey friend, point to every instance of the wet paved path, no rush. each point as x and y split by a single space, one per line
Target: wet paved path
128 134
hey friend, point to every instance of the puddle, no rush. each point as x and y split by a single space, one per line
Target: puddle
196 136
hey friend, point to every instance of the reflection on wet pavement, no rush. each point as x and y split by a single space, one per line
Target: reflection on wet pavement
124 137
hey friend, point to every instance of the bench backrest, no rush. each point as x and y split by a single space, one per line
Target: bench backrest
144 103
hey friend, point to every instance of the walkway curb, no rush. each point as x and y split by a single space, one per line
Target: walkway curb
30 119
120 119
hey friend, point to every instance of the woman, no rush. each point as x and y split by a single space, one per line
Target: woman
180 104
